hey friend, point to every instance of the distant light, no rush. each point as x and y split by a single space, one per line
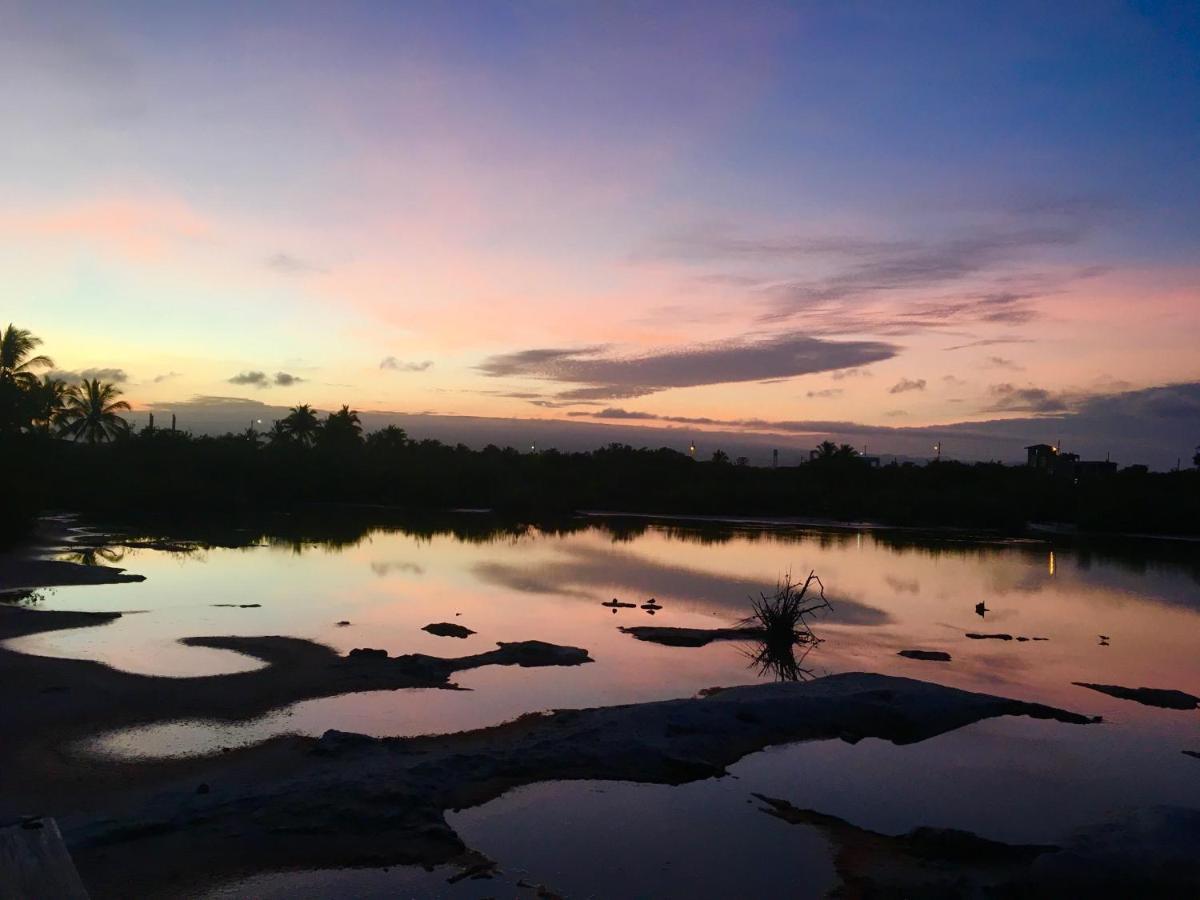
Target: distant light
1051 562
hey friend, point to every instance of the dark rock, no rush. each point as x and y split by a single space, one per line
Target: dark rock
367 653
1165 699
448 629
931 655
989 637
691 637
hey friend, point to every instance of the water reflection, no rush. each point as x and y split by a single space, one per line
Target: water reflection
353 581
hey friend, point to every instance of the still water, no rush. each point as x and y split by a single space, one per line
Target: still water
1008 779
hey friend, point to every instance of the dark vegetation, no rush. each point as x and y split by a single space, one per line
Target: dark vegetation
67 447
782 623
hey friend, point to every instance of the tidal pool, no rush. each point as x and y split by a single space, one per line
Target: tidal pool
1011 779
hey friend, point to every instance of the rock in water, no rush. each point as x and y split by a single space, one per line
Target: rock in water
931 655
448 629
367 653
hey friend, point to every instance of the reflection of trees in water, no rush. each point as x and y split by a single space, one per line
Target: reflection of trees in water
95 555
25 597
337 529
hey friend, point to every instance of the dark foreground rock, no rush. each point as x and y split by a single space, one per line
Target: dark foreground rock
53 702
1166 699
1152 852
346 800
37 573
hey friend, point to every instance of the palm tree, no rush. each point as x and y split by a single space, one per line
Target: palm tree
91 412
16 359
388 439
342 428
279 434
301 423
826 450
48 399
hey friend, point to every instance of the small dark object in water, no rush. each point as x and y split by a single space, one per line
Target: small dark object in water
448 629
343 623
484 869
931 655
203 788
1166 699
1104 640
691 637
367 653
249 605
1195 753
984 637
614 604
980 609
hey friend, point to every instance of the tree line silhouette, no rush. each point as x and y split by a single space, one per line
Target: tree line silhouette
66 446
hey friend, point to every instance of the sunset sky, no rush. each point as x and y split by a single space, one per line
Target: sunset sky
853 219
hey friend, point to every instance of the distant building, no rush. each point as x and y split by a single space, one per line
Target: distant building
1067 465
1041 456
872 461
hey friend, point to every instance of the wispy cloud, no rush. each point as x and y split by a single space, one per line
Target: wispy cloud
262 380
392 364
990 342
825 394
1009 398
166 376
904 385
113 375
851 373
254 379
999 362
291 265
602 375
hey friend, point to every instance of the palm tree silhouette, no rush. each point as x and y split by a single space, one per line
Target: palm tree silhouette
48 399
279 434
91 411
826 450
341 428
301 423
16 359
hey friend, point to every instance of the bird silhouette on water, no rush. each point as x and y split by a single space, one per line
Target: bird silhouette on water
652 607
